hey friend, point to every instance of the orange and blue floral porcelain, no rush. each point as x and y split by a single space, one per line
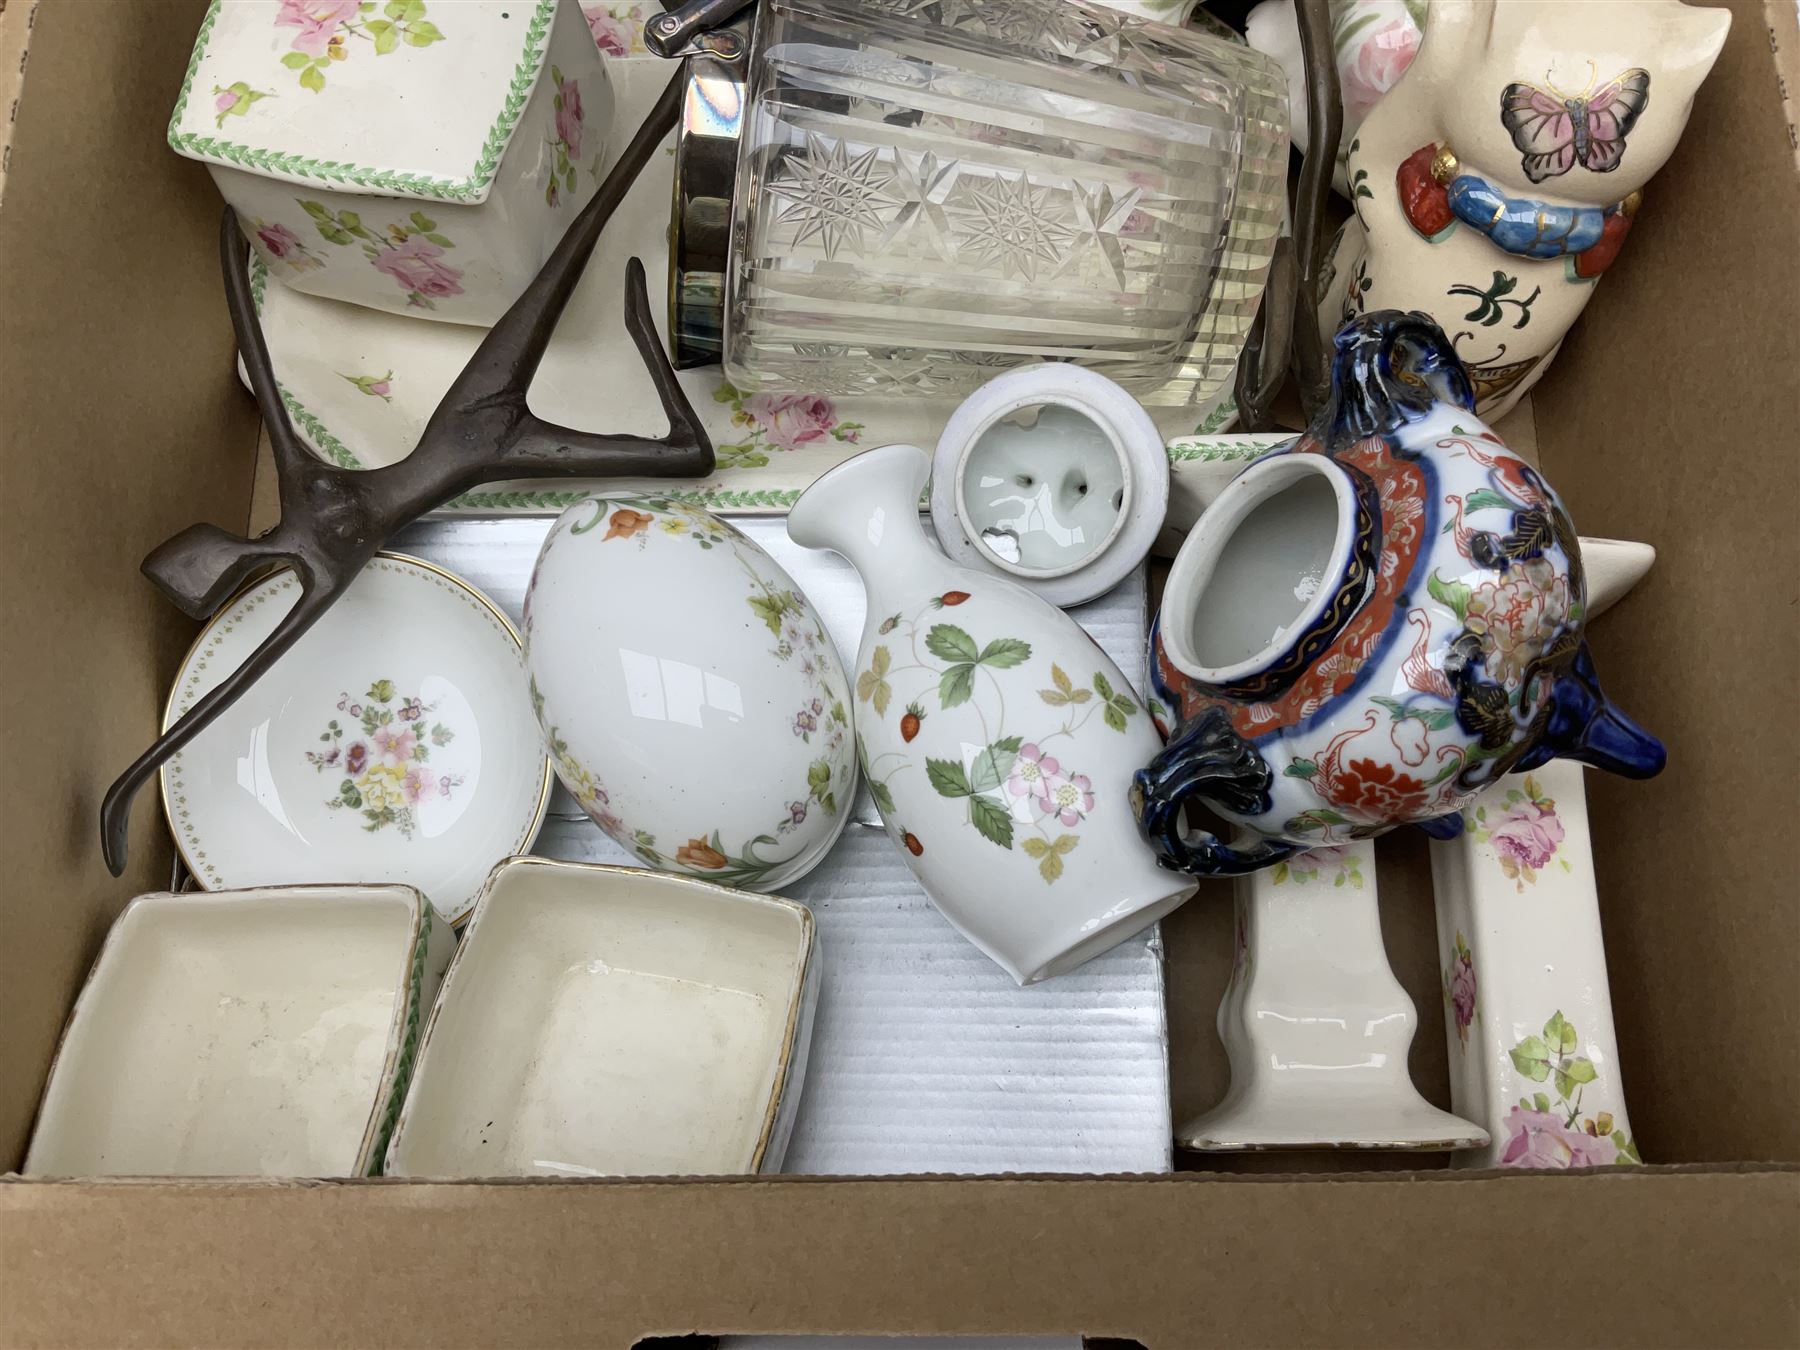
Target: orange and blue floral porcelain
1371 625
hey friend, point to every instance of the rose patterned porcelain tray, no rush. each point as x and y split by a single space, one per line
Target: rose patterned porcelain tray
360 384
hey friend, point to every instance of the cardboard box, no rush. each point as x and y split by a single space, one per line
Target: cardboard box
1670 417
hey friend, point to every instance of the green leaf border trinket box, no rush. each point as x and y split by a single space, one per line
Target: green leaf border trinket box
417 156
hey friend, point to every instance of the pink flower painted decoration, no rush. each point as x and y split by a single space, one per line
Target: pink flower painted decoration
415 265
317 20
1030 771
1380 61
1462 993
281 242
1540 1139
416 785
612 36
792 420
568 117
1528 835
1068 799
395 746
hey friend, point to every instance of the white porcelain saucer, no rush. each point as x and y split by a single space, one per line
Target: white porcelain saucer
394 742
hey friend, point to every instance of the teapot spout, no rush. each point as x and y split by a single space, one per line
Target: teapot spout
1584 726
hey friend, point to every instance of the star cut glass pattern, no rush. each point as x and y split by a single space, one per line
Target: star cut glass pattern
829 197
931 190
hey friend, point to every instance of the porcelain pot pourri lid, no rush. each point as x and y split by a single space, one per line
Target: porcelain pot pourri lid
1053 475
393 742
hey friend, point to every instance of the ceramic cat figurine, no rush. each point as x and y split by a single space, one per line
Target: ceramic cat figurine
1497 181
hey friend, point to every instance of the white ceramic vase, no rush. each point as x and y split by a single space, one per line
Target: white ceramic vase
997 739
1314 1023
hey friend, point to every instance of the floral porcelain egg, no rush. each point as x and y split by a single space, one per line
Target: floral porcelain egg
693 704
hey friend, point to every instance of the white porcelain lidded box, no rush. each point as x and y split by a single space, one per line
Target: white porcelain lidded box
419 156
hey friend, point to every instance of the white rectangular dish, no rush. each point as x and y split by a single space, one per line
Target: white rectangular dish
609 1021
243 1033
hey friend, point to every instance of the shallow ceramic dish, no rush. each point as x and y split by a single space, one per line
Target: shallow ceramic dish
248 1033
393 742
607 1021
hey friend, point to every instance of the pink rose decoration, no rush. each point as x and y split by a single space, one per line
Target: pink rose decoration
395 746
1380 60
612 36
382 387
792 420
1462 993
1539 1139
568 117
415 266
278 239
317 20
1528 836
225 102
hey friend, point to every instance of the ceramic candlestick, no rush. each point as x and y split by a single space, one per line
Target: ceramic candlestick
1523 963
1533 1053
1314 1022
996 738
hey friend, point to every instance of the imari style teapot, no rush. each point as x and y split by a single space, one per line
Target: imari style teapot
1372 624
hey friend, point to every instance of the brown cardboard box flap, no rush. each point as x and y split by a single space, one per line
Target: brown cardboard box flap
1670 416
1657 1256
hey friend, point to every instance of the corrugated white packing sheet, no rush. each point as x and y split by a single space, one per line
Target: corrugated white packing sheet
925 1056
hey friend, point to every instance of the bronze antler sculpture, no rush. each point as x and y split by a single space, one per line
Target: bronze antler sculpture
334 520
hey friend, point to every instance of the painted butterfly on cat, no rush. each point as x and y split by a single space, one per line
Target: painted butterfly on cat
1554 130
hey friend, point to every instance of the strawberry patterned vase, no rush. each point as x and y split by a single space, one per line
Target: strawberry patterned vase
416 156
997 739
1372 625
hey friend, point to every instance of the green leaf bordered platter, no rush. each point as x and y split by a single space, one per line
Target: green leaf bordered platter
360 384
